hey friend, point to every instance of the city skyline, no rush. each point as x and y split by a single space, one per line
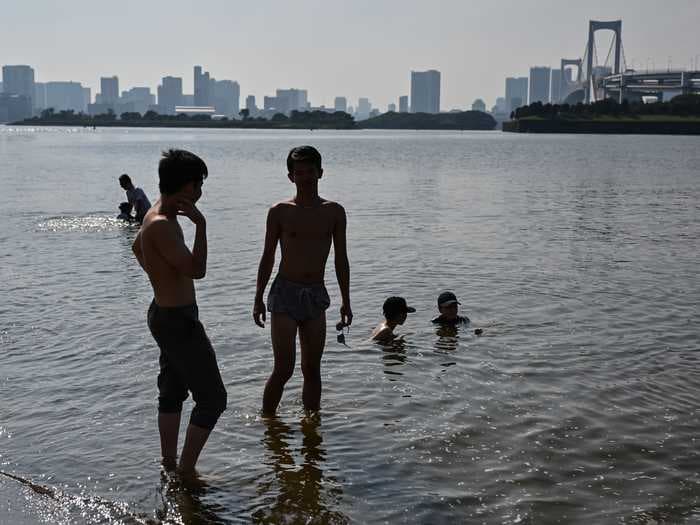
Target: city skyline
332 51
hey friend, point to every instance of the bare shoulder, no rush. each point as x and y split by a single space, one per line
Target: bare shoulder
383 334
158 225
279 207
335 207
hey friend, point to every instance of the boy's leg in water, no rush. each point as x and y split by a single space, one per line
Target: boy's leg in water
283 330
312 339
169 428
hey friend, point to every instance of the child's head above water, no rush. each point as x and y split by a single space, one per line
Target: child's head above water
448 305
395 309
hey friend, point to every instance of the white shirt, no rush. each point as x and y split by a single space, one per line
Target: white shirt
137 198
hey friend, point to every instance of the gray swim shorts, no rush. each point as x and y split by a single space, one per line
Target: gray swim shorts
302 302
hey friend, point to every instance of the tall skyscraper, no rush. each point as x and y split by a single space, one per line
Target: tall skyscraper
202 87
340 104
540 79
87 98
403 104
170 95
289 100
39 95
250 105
137 99
363 109
516 93
226 97
391 107
425 91
65 96
18 80
500 106
270 103
556 86
109 90
14 107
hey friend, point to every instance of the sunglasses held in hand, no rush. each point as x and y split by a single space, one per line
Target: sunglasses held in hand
341 335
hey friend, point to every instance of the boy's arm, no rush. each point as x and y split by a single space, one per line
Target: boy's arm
267 263
138 251
171 247
342 265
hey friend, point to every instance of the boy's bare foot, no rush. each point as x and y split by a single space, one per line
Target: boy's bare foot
169 463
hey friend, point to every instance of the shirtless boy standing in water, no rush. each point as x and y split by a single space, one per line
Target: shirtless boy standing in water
187 359
304 226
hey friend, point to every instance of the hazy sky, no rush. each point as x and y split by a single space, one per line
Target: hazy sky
360 48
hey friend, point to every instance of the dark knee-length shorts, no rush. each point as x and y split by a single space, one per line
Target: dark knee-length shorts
187 363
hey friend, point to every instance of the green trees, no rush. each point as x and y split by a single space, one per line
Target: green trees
477 120
682 106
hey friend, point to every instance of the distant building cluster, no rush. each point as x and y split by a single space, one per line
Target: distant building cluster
544 84
22 96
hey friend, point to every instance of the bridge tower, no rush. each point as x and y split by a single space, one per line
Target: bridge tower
593 26
568 87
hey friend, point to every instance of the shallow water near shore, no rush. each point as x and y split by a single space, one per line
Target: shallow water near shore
577 255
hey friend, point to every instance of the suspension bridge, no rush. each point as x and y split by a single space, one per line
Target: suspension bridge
594 80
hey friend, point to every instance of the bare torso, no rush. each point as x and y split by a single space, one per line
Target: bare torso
305 235
170 287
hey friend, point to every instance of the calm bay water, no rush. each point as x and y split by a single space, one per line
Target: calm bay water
576 255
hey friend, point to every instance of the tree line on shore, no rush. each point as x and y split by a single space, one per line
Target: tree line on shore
304 119
680 106
462 120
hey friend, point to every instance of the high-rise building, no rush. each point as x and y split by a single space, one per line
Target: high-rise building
18 80
425 91
403 104
340 104
540 78
170 95
516 92
250 105
270 103
87 98
556 86
226 97
137 99
289 100
14 107
364 108
479 105
391 107
39 95
65 96
202 87
109 90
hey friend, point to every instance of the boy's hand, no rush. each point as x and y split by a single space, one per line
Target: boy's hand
188 209
258 312
346 315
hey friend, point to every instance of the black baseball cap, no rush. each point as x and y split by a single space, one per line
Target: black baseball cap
447 298
396 305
